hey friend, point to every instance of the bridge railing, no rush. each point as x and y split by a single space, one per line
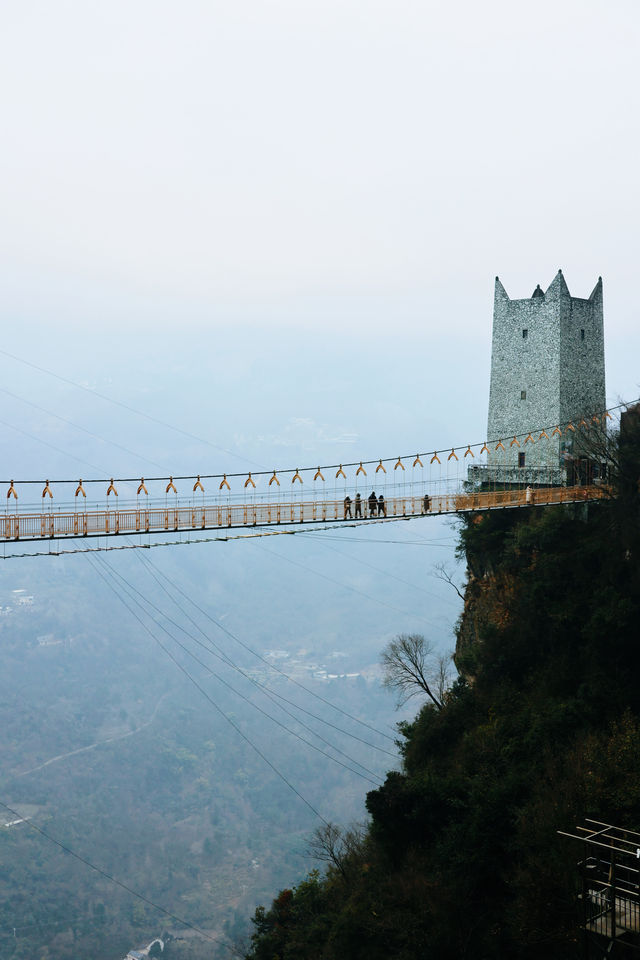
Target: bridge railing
58 524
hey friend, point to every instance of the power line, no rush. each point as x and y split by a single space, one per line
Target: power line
129 589
421 542
346 586
263 471
385 573
112 879
270 694
210 699
125 406
273 667
77 426
52 446
188 539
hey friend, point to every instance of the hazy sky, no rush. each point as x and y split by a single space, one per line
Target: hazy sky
288 185
276 225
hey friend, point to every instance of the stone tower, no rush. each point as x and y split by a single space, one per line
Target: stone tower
547 368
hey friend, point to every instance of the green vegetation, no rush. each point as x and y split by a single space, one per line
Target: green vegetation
542 728
112 752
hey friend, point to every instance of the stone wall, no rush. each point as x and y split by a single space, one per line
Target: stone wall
547 367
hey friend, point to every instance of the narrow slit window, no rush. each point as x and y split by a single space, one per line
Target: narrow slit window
525 333
582 334
521 457
523 394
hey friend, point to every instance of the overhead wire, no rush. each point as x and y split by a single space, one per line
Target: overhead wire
77 426
124 886
272 666
268 692
52 446
129 589
192 436
346 586
221 712
110 877
386 573
246 646
313 534
128 407
262 471
376 782
188 539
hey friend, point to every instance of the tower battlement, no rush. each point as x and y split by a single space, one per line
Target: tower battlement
547 365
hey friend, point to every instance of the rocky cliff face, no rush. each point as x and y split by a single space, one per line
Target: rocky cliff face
487 602
462 857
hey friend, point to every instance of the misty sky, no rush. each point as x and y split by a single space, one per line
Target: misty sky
279 222
275 225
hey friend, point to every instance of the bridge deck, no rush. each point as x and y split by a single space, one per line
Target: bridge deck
57 523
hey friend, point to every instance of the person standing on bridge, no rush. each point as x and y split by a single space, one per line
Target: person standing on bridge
373 504
382 507
347 507
358 512
426 503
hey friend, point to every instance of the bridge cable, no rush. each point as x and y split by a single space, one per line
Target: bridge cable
192 679
385 573
265 532
320 534
129 589
112 879
269 693
261 471
273 667
346 586
189 541
125 406
46 443
77 426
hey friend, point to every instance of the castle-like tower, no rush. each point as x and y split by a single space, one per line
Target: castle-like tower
547 368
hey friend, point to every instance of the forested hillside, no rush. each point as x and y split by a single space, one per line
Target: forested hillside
542 728
110 749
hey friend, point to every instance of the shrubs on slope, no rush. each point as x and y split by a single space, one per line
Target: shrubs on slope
542 729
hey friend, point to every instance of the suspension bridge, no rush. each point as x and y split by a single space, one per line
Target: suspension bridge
542 466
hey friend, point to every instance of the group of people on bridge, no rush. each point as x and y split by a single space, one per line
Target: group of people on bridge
373 506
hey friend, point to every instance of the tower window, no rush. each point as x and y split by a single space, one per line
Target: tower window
582 334
525 333
523 394
521 457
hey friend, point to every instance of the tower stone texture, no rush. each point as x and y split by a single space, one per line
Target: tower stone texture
547 368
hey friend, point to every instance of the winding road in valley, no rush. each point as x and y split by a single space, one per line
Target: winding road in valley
92 746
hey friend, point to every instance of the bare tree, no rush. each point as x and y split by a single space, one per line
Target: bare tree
337 847
411 666
443 574
443 670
